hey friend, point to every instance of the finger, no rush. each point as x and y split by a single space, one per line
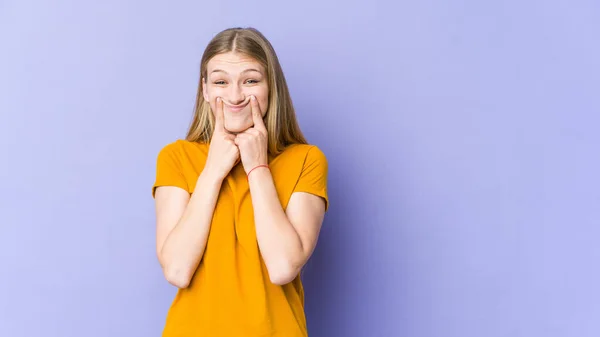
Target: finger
257 116
240 138
252 132
219 115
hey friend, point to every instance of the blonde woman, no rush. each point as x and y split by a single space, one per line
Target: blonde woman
240 201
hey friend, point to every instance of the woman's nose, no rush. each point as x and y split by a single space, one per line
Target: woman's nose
236 95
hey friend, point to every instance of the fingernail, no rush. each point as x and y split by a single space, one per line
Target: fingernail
253 97
218 99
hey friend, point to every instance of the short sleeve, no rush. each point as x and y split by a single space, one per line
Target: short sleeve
313 178
168 169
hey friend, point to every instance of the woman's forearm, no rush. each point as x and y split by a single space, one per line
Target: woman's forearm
184 246
279 243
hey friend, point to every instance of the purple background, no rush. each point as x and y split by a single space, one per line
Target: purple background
463 141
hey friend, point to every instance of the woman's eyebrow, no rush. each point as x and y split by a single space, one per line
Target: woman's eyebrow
245 71
249 70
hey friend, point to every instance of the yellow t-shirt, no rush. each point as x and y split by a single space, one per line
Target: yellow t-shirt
230 294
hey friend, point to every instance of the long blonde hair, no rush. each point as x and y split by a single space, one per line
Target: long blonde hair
281 123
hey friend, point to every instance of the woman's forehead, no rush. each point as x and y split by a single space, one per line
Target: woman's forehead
233 62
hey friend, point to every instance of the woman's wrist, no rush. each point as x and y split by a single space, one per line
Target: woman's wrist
257 167
210 176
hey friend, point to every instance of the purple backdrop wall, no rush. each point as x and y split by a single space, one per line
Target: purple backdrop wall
463 146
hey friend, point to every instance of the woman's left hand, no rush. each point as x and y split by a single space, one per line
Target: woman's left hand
252 143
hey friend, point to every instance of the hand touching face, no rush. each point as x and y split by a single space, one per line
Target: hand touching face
252 143
235 77
223 153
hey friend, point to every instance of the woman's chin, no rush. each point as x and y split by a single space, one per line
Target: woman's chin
237 127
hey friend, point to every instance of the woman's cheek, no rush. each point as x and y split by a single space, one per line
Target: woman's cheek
264 104
212 99
213 93
263 99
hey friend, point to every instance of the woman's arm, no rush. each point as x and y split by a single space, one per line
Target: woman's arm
286 239
183 224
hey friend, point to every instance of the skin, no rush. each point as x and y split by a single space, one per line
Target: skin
286 238
235 78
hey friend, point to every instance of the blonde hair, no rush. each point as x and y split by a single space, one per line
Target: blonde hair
282 126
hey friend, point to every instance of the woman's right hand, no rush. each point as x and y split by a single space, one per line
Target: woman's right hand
223 154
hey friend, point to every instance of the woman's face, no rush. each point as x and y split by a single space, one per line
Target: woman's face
235 77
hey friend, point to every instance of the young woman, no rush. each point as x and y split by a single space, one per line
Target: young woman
240 201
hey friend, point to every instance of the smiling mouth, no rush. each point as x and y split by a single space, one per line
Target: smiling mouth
236 107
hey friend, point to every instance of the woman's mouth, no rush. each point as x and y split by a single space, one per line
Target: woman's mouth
236 108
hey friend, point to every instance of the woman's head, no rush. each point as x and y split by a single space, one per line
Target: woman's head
237 64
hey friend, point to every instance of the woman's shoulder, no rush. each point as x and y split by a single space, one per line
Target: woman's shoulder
303 150
184 154
303 153
182 146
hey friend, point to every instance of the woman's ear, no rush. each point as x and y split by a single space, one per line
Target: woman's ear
204 90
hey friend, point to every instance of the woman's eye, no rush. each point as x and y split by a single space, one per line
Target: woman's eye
221 82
